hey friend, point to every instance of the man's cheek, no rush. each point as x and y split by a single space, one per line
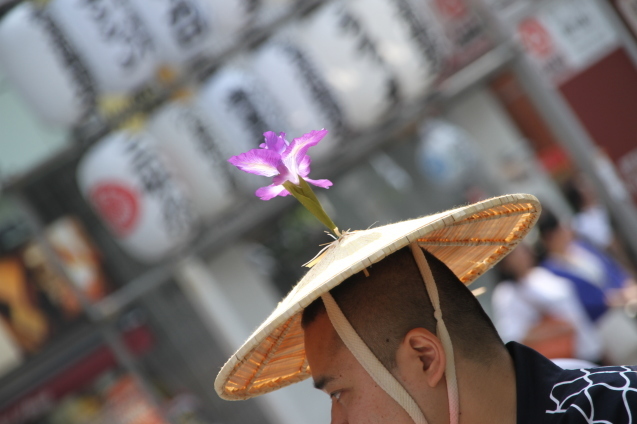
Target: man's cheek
339 415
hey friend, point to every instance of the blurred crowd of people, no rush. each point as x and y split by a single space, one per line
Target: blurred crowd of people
570 293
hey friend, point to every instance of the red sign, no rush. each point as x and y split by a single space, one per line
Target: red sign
117 204
604 98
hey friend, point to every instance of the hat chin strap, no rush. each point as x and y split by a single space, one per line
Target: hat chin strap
441 330
377 370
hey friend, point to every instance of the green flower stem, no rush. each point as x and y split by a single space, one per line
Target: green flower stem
304 194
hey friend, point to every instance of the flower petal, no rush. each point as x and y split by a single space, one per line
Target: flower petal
295 153
299 146
304 166
285 175
274 142
258 161
319 183
273 190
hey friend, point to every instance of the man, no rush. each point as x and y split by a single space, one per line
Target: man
392 313
392 334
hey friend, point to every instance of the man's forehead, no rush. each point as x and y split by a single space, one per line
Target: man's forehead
322 344
320 335
326 354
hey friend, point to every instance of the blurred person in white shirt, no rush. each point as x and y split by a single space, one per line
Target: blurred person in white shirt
529 295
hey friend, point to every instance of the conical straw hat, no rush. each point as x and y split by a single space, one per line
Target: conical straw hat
469 240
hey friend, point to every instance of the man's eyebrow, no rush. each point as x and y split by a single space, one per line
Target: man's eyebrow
321 382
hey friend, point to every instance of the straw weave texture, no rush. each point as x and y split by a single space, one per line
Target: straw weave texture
469 240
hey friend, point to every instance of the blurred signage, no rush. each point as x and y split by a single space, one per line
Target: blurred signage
42 399
577 51
566 37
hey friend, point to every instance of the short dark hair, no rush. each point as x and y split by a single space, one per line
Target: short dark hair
547 223
393 300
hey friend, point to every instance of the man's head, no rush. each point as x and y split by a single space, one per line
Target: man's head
392 313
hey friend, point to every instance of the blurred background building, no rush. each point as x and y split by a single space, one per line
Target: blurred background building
134 259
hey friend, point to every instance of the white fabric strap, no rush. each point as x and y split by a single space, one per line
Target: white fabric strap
369 361
443 334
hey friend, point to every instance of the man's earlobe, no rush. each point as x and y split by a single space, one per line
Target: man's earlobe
421 353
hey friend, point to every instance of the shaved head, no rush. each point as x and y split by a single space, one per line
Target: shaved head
393 300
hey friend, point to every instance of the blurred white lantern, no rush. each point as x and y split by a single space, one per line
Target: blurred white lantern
185 29
271 10
446 155
408 46
239 108
464 31
111 38
132 189
346 57
38 61
181 29
187 141
239 111
231 18
305 100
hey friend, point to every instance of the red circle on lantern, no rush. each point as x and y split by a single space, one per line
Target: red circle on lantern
117 204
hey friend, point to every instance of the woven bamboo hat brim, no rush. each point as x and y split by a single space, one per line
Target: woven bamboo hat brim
469 240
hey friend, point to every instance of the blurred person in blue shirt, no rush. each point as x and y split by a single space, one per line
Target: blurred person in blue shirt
605 289
533 306
599 280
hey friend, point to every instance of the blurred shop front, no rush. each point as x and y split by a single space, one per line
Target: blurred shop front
134 259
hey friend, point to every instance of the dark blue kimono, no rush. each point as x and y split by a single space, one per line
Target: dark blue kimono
549 394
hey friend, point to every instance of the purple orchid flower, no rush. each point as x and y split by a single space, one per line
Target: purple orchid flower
282 160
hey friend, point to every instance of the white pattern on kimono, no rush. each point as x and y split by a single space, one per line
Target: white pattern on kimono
578 389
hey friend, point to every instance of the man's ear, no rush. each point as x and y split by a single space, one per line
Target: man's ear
420 358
